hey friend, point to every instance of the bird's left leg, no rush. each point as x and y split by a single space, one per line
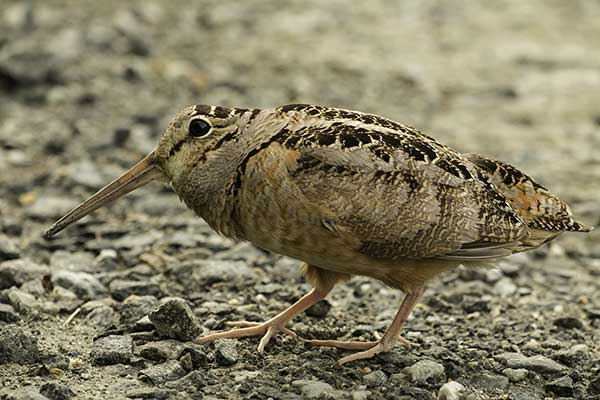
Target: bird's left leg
322 280
389 339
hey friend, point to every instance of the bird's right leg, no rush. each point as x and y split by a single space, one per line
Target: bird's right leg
322 280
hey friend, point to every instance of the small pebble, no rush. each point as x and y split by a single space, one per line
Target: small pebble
112 349
505 287
489 382
160 351
27 395
192 382
197 355
594 388
56 391
575 355
425 371
536 363
320 309
83 284
16 272
561 387
102 317
515 375
375 378
568 323
8 249
22 301
452 391
122 289
159 374
136 307
8 313
175 319
18 346
225 352
316 390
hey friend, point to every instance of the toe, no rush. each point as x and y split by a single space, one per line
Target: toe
362 355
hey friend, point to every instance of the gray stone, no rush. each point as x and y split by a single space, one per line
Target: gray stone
225 352
77 261
536 363
594 388
102 317
320 309
89 306
175 319
375 378
160 351
243 376
515 375
33 287
425 371
112 349
161 373
18 346
56 360
26 395
8 313
19 16
107 260
83 284
505 287
452 391
49 207
561 387
137 240
151 394
17 272
56 391
8 248
207 272
136 307
317 390
576 355
22 301
490 382
142 325
568 323
192 382
475 305
121 289
508 268
361 394
197 355
86 174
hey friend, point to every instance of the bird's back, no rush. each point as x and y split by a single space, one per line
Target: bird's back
403 194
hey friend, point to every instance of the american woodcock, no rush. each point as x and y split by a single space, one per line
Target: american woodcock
348 193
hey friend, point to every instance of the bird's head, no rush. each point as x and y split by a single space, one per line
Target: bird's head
190 140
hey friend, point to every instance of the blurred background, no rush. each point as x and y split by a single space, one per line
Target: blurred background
86 88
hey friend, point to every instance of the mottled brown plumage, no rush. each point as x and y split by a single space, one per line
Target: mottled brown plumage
349 194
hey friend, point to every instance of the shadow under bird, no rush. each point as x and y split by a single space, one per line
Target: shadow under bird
348 193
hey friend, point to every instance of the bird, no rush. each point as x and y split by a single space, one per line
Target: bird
347 193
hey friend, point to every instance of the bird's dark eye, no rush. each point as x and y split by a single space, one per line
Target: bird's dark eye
199 128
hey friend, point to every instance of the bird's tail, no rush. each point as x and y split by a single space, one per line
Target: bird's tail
545 214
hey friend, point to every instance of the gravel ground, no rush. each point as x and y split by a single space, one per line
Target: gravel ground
85 90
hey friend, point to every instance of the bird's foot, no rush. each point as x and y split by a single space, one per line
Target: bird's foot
267 329
369 349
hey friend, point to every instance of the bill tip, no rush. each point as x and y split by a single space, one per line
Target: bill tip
49 234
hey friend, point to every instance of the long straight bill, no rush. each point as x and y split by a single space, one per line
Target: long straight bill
141 173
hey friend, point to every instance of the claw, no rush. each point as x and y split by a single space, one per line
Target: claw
266 329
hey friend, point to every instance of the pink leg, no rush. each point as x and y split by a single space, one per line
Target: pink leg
270 327
387 342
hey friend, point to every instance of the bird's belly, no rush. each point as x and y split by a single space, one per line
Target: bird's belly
293 233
